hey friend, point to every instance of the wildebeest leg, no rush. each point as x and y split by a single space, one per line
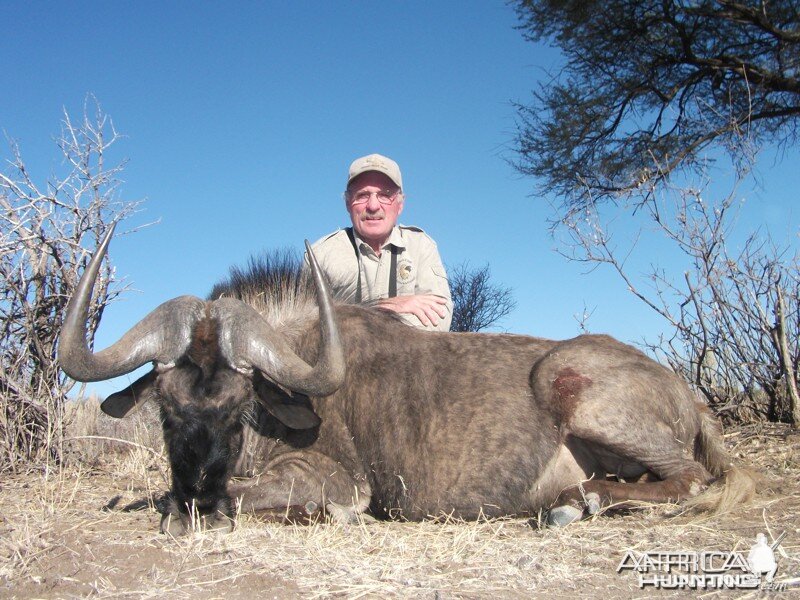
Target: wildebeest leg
682 485
656 452
630 418
297 485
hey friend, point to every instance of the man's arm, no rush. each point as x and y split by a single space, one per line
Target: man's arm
431 310
431 306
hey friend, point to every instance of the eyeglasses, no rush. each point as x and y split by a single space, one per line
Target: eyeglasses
384 196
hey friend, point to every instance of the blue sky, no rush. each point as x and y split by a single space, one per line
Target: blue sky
240 120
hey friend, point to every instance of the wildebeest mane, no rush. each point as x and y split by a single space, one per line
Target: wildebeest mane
274 282
277 285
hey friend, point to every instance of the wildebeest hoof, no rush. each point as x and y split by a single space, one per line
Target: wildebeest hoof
173 525
593 504
220 522
561 516
347 515
180 524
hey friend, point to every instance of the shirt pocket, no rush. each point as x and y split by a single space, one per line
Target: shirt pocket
439 271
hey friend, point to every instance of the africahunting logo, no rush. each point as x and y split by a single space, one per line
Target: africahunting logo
707 569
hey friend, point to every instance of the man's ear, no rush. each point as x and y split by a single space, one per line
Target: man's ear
120 403
294 411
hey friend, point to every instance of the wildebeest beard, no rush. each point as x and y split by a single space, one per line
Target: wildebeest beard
200 455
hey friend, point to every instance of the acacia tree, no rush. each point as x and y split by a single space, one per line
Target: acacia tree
47 231
477 303
649 85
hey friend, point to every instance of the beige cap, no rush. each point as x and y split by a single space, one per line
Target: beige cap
375 162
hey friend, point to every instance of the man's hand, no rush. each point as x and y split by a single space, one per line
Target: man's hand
426 307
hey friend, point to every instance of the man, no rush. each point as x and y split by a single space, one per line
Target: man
378 261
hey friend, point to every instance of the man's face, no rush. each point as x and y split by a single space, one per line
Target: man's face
373 220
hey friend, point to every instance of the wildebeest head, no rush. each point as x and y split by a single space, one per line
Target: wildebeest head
212 360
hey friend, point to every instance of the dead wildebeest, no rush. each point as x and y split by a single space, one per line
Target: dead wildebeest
403 422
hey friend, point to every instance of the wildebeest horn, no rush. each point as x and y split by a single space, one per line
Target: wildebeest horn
247 340
163 335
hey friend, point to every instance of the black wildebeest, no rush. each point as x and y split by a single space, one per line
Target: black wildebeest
394 420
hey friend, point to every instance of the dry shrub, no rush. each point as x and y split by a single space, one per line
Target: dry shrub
732 310
47 230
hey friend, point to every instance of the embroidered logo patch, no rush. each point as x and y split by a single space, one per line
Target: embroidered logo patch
405 271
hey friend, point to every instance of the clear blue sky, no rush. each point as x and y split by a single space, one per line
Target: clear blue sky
241 119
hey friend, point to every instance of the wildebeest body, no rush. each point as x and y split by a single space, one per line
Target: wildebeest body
431 438
407 423
492 424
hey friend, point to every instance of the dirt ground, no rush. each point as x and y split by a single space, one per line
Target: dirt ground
90 529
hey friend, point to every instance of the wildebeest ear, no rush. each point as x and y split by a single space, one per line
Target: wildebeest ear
293 411
122 402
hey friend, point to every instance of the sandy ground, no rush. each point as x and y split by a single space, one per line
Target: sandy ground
60 538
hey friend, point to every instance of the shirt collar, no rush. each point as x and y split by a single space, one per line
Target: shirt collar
395 239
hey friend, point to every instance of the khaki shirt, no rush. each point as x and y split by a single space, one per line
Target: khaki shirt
419 269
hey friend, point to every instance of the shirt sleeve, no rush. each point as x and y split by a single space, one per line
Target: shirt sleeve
432 279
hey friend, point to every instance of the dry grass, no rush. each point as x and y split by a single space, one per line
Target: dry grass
56 539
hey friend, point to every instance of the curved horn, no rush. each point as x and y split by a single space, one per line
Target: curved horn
247 340
163 335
